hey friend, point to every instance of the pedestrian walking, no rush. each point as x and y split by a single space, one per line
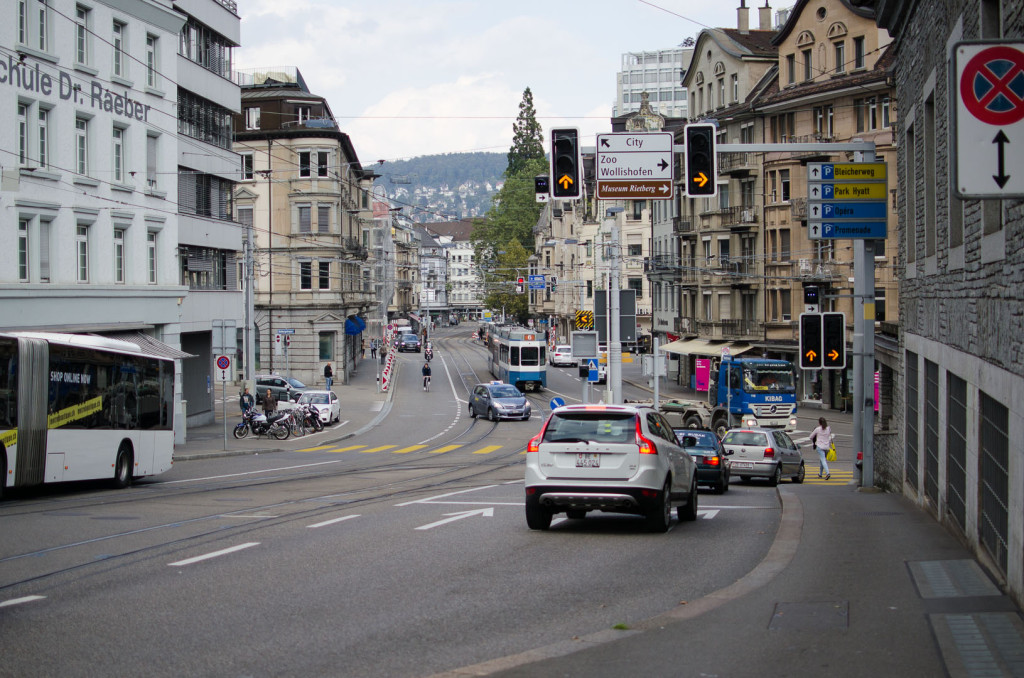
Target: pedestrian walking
269 403
373 349
246 402
328 375
362 348
821 438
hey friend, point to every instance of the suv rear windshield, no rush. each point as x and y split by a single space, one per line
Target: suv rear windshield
598 427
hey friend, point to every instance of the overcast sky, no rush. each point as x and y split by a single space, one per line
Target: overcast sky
415 77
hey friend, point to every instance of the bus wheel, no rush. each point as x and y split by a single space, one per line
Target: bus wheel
123 468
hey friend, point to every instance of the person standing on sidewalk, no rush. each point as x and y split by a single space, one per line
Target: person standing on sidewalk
246 401
373 349
328 375
269 403
362 348
821 438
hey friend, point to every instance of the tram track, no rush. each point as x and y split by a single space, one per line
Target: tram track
427 474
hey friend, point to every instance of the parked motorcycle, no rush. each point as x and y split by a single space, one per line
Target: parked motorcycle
257 423
312 417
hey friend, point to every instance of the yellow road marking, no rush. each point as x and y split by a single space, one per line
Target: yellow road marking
411 448
446 448
314 449
346 449
488 449
377 449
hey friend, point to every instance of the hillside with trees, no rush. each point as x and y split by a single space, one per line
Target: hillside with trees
439 187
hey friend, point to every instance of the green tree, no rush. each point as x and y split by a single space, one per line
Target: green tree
508 263
527 137
513 214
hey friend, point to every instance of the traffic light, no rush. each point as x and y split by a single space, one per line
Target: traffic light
810 341
565 163
553 280
833 340
811 298
520 284
701 170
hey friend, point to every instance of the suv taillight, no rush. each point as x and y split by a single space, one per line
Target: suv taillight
769 453
534 444
645 445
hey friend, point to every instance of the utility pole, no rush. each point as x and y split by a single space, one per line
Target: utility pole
614 376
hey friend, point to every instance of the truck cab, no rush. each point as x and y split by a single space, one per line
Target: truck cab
756 391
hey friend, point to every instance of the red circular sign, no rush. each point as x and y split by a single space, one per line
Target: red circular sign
223 362
992 85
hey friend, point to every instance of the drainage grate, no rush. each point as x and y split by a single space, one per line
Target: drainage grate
811 616
951 579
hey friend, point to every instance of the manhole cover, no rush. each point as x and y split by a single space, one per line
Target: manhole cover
834 614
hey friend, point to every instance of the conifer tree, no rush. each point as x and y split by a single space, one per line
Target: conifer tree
527 140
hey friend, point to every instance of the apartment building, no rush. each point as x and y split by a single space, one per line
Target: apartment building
307 200
954 447
653 78
466 294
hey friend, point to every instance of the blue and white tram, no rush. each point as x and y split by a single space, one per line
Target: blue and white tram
519 357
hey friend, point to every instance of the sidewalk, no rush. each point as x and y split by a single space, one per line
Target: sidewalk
362 407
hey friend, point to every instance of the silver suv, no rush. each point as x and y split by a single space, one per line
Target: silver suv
615 458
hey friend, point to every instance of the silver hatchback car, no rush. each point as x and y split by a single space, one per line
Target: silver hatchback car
615 458
763 452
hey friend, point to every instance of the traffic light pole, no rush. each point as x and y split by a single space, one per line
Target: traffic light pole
864 357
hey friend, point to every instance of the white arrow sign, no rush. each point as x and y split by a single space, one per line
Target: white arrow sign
488 512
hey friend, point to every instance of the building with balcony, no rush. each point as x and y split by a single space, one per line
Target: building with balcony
305 197
433 277
466 290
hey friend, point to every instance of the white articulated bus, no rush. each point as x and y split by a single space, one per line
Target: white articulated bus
76 407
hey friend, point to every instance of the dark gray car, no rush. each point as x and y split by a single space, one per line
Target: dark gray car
498 400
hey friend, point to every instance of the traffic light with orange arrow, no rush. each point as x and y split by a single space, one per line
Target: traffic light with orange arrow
833 341
810 341
701 171
565 163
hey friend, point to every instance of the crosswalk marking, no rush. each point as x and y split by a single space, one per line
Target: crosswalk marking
446 448
347 449
838 478
315 449
411 448
377 449
488 449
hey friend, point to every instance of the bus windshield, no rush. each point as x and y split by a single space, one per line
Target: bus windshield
770 378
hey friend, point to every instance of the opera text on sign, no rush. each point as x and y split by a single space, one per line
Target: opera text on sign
847 200
634 165
988 84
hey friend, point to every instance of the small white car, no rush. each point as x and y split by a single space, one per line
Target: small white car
326 404
561 355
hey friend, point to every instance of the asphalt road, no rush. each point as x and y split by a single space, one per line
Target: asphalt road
403 552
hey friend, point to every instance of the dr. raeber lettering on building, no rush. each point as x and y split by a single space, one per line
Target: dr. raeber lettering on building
14 73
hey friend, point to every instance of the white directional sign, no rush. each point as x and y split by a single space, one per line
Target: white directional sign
634 165
989 124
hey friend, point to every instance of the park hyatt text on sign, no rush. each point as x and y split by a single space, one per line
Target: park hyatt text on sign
634 165
837 209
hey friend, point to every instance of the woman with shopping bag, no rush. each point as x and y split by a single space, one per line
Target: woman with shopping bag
821 438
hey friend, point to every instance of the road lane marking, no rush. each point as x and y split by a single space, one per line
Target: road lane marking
331 522
377 449
707 514
215 554
347 449
250 473
488 449
448 494
314 449
411 448
483 513
446 448
19 601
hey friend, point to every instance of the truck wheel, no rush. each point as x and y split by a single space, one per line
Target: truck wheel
720 426
693 421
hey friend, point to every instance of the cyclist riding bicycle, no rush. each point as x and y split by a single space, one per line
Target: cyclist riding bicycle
426 375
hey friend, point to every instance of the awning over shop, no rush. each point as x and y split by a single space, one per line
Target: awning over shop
704 347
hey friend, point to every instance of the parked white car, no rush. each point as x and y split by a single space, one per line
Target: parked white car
326 404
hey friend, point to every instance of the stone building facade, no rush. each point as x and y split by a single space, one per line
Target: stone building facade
959 400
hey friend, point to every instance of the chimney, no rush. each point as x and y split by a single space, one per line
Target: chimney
764 17
743 17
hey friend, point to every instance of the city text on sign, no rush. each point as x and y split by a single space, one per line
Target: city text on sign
634 165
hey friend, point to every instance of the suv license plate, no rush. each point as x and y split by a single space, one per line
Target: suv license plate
587 460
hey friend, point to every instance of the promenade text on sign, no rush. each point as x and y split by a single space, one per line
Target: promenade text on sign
847 200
